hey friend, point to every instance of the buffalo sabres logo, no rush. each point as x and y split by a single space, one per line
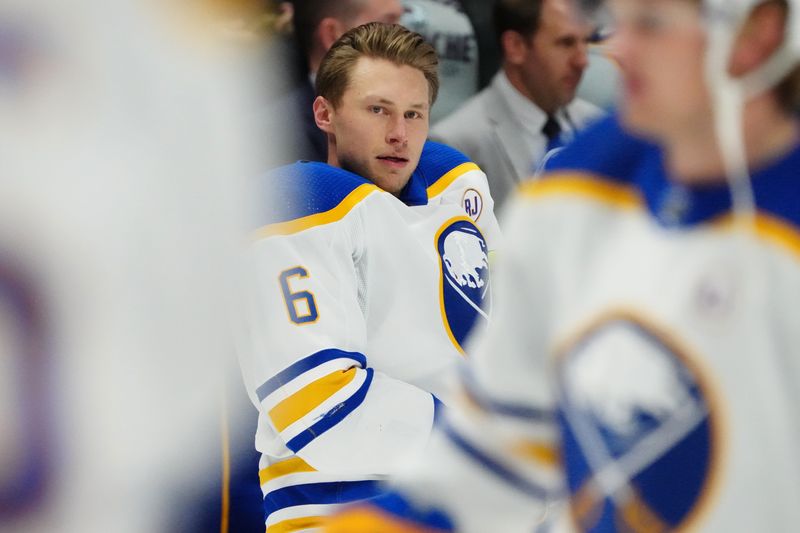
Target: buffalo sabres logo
637 430
465 287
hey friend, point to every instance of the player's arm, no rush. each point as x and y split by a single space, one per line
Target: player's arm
312 376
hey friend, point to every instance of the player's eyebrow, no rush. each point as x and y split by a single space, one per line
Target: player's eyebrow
422 105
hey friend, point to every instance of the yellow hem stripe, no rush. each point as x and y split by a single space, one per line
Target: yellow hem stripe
318 219
289 466
577 184
297 524
309 397
444 182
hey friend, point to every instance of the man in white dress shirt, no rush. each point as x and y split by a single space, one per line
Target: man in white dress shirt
530 106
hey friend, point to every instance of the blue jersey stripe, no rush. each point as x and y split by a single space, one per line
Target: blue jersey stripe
304 365
320 494
494 466
523 412
395 505
438 407
332 417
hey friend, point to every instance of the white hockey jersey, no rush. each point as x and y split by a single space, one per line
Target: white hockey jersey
363 304
642 366
120 225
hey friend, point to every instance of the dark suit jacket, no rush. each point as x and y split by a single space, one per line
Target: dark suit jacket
480 14
291 124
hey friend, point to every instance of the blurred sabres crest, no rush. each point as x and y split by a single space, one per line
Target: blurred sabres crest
466 296
634 411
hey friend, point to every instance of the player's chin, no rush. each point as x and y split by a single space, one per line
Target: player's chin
638 119
393 182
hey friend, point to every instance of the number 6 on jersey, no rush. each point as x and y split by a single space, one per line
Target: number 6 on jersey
301 305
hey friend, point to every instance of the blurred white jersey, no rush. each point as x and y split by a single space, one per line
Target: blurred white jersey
121 208
364 302
642 364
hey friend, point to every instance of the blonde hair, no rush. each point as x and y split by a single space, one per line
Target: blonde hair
378 40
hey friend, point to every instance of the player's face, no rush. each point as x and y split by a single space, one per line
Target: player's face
388 11
381 123
556 55
660 46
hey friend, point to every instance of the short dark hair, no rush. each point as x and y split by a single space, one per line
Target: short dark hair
521 16
378 40
309 13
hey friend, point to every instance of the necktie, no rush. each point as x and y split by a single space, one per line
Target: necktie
552 130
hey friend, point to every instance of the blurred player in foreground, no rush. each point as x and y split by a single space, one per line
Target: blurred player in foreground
122 206
370 274
643 364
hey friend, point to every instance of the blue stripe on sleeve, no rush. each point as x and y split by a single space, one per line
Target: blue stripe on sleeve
438 407
332 417
524 412
494 466
304 365
394 504
319 494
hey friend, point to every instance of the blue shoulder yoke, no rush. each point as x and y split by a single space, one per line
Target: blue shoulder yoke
305 188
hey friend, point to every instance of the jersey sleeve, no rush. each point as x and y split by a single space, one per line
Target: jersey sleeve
309 371
493 462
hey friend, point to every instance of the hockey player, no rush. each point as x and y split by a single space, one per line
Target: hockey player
643 364
369 275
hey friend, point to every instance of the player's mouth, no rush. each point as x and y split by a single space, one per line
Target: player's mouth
572 82
393 161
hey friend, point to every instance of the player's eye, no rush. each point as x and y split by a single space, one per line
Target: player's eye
413 114
567 42
376 109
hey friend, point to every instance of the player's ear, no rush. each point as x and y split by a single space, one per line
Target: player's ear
514 47
759 38
323 114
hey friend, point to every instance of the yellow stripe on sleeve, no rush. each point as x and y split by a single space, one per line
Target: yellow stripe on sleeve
445 181
309 397
779 232
292 465
586 185
769 228
538 452
363 519
318 219
297 524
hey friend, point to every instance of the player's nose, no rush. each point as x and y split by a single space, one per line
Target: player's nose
398 131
